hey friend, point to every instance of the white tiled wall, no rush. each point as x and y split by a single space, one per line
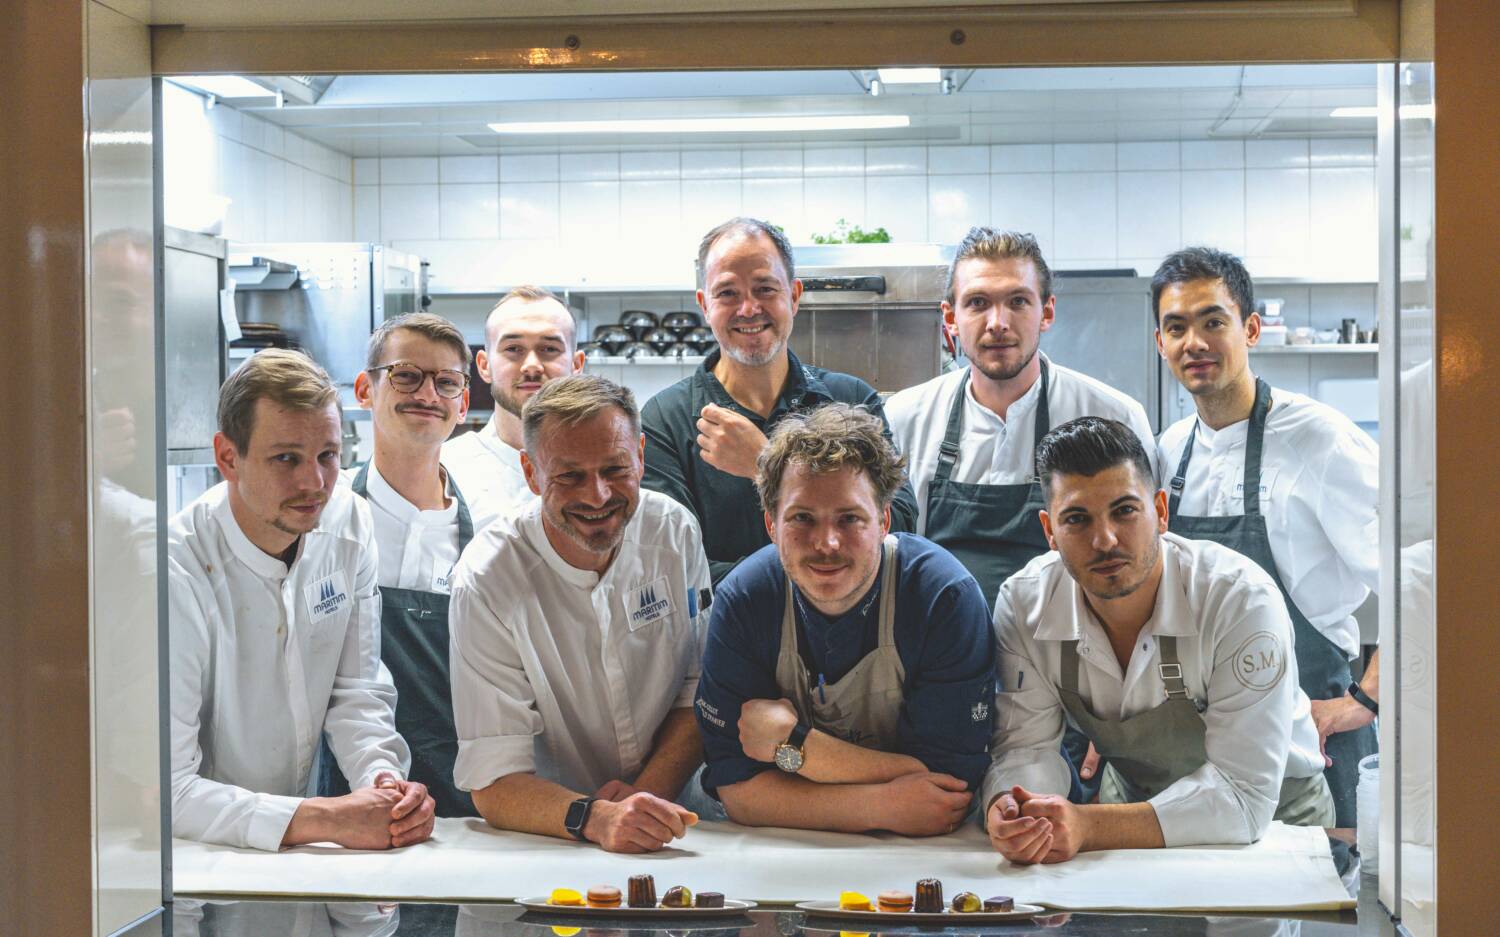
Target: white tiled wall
229 173
1291 208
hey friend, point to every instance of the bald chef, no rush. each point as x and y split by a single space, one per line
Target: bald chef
416 385
275 633
1172 656
576 636
1311 524
529 339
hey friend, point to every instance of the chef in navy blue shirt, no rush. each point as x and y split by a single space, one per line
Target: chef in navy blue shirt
848 677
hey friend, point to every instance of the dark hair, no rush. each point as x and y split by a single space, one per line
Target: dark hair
990 244
1088 446
747 227
1204 263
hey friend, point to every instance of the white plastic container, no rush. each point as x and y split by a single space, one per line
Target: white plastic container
1367 809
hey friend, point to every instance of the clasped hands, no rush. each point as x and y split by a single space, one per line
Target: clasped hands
1028 828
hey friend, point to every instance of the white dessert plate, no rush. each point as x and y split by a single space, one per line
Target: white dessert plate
542 905
831 909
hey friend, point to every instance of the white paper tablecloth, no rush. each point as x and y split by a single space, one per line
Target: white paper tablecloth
1290 870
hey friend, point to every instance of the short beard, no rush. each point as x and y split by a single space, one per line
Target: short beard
1146 569
506 401
1003 373
600 543
754 361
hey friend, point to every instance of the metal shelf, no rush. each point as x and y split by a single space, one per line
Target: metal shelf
1360 349
694 360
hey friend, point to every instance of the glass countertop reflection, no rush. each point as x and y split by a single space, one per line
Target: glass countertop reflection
199 918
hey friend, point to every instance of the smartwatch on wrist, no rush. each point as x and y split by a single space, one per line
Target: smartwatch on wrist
578 815
1363 698
789 755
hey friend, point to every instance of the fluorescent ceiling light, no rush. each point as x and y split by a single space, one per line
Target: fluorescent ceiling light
1408 112
226 86
910 76
707 124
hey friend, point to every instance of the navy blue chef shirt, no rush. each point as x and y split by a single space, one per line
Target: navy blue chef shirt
943 636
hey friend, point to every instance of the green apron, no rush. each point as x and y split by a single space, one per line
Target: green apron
414 648
864 706
1150 751
1322 668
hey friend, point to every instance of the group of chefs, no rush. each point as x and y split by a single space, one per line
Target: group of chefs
771 596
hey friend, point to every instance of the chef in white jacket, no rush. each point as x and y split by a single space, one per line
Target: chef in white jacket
275 633
1173 656
1312 523
529 339
577 629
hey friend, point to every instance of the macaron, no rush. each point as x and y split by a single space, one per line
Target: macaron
853 901
566 897
603 896
894 900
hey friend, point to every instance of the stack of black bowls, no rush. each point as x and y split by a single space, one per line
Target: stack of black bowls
689 337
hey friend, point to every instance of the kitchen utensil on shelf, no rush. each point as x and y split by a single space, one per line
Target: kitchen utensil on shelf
638 321
660 339
681 350
593 351
613 338
681 322
636 350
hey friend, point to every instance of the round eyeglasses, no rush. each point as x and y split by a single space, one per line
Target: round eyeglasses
407 378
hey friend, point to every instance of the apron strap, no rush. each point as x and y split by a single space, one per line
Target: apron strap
360 482
1179 480
1255 439
1170 669
948 448
361 485
888 593
1070 666
1043 422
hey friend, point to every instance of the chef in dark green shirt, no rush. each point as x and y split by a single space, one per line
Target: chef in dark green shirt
703 433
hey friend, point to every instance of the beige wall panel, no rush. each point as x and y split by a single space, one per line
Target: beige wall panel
44 495
1467 82
1144 33
1416 30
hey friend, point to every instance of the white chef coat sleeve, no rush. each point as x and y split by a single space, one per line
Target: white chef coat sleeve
1345 502
361 719
701 583
1029 715
1252 692
202 809
494 703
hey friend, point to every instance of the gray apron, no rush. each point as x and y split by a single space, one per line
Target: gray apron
864 707
1150 751
414 647
1322 669
994 530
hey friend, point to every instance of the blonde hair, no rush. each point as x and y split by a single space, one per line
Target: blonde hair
429 325
832 437
572 400
288 378
989 244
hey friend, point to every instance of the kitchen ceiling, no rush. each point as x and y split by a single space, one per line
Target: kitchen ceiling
431 115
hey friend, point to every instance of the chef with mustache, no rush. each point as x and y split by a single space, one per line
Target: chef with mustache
275 633
1285 480
577 636
529 339
416 387
704 433
970 435
849 673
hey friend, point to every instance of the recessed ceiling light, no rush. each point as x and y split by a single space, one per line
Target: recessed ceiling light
1408 112
707 124
910 76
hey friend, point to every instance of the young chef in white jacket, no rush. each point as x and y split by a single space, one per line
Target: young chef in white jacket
1173 656
577 631
415 384
529 339
275 633
1313 527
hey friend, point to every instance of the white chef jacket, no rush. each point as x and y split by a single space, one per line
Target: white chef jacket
1319 479
264 660
991 450
417 548
488 472
566 673
1234 641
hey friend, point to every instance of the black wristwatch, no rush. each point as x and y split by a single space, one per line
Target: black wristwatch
1363 698
789 755
578 815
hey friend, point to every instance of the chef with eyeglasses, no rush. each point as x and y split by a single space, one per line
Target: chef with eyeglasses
415 385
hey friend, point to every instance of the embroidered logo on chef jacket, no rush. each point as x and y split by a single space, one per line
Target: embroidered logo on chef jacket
1260 662
980 712
326 597
648 604
442 577
1267 484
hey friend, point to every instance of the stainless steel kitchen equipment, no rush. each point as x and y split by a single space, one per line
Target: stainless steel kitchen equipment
872 310
638 321
680 350
660 339
681 322
612 338
1104 329
702 338
334 299
639 350
193 335
593 351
